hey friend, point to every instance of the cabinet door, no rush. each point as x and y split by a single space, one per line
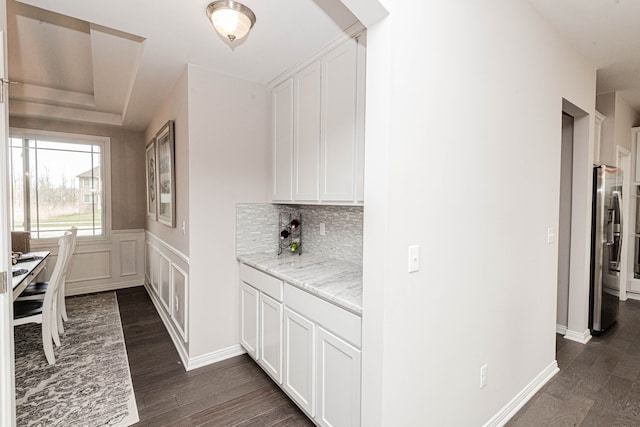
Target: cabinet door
282 105
338 124
249 319
636 141
338 382
270 340
299 360
307 134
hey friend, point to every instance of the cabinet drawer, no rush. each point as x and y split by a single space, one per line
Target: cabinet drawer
333 318
261 281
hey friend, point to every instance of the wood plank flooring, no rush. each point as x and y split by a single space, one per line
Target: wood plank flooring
234 392
598 383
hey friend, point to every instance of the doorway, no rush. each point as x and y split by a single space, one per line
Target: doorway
564 224
576 226
623 161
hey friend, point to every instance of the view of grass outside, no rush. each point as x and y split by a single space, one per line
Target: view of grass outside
52 227
56 185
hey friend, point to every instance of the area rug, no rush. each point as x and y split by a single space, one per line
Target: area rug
90 383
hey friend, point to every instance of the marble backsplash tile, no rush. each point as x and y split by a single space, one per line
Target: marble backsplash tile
257 229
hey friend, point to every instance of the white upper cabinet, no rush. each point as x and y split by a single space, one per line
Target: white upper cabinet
339 109
282 107
307 133
326 124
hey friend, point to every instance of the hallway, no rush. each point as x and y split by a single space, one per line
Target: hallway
598 383
233 392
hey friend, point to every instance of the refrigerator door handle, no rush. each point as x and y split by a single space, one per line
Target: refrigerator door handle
610 222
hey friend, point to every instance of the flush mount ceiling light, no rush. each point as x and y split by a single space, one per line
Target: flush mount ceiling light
232 20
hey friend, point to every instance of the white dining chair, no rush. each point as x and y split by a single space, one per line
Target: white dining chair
44 311
62 306
37 290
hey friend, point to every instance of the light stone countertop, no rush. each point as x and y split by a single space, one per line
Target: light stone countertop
338 282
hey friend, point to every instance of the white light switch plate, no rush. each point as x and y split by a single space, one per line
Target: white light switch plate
414 258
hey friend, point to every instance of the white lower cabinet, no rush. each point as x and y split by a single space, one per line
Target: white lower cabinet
299 360
270 341
249 319
261 319
307 345
338 381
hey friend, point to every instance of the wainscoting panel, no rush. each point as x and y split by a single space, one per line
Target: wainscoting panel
155 272
128 258
164 290
89 265
101 264
179 309
168 285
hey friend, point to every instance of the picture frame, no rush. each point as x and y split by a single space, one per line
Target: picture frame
166 177
152 185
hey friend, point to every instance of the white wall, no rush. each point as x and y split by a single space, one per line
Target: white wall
616 129
478 198
228 163
606 105
222 158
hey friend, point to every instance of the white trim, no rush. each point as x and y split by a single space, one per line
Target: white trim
633 295
623 161
215 356
506 413
581 337
105 166
173 250
184 333
561 329
89 288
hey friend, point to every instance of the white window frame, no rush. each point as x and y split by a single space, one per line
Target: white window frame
105 143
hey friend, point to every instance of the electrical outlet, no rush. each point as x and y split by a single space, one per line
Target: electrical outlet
483 376
322 229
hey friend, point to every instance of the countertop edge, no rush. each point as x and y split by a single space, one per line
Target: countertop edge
330 298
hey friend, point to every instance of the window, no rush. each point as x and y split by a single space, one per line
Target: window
57 181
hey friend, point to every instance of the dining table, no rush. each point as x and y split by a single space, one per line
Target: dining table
28 266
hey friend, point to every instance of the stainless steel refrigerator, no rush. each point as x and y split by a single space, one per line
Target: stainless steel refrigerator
606 248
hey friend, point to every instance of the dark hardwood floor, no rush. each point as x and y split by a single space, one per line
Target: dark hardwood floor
598 383
234 392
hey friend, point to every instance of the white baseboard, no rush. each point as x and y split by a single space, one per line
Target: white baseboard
633 295
187 362
581 337
89 288
215 356
506 413
561 329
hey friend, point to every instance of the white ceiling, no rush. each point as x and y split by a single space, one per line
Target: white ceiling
113 62
606 32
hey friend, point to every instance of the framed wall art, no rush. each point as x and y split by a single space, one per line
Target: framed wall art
166 178
152 186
